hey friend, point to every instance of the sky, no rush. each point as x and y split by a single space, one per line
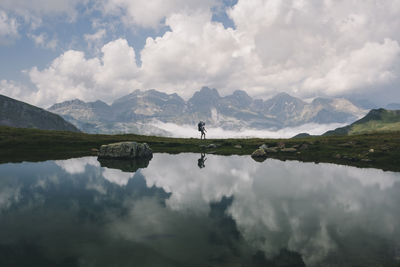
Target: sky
57 50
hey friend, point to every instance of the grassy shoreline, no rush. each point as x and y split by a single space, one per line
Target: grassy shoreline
20 144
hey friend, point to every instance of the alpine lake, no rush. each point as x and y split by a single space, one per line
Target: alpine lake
193 209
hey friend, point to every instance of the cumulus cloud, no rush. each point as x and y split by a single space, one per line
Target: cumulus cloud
71 75
305 48
195 52
301 47
369 66
295 40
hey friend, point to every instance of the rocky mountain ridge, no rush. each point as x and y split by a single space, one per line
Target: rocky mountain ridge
134 112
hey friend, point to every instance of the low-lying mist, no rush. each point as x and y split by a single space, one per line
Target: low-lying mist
187 131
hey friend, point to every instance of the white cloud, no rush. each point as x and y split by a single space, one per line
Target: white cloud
95 40
42 40
71 75
35 9
8 28
295 40
369 66
10 88
151 13
305 48
117 176
77 165
195 52
301 47
16 90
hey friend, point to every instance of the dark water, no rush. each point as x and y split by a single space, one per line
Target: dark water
188 210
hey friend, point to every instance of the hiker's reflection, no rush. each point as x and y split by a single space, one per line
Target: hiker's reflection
201 160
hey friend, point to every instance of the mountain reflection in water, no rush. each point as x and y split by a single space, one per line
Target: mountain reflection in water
234 212
125 165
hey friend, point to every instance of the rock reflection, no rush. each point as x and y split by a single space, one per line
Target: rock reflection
120 171
124 164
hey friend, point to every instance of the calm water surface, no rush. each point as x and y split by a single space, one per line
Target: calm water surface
193 210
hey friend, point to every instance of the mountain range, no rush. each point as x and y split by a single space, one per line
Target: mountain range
18 114
140 111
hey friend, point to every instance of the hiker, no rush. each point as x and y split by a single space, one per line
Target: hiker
201 160
201 128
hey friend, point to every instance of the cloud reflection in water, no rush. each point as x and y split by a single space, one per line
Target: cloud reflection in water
176 211
306 207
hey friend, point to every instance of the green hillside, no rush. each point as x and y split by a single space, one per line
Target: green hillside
18 114
377 120
378 150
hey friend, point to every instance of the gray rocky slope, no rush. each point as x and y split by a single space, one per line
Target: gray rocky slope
15 113
133 112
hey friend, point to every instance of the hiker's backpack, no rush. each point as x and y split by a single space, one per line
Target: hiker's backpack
200 126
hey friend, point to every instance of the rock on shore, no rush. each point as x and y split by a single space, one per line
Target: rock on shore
259 153
125 150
